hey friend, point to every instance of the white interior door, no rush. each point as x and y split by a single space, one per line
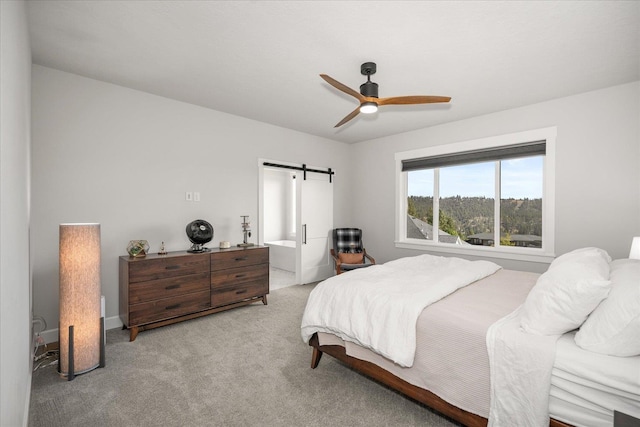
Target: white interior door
314 225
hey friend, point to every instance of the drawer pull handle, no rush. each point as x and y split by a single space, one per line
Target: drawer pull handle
241 259
244 291
172 287
172 267
171 307
240 275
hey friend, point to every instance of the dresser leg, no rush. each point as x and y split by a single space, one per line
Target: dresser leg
264 299
133 333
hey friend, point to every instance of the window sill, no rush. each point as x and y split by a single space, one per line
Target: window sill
516 254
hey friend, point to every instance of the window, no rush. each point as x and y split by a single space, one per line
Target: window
491 197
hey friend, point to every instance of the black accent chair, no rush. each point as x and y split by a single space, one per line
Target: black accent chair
348 251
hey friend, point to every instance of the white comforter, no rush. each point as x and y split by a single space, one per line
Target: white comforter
520 366
377 307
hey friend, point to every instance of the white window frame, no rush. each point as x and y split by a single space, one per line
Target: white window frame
545 254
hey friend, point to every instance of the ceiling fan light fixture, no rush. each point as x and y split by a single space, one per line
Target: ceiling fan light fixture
368 107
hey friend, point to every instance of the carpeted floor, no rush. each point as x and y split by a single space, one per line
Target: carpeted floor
280 278
244 367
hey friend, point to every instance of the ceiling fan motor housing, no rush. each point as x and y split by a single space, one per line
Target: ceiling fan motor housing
368 88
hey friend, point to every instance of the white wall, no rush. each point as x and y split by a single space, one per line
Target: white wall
597 170
15 286
124 158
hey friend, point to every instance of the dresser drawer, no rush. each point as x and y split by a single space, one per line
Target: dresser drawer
239 258
161 268
238 292
166 308
231 276
167 288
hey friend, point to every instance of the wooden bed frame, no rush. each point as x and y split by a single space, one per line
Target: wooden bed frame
421 395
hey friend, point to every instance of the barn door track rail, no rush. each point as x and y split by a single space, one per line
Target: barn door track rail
302 168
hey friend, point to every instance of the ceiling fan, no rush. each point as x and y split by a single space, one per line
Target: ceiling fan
368 96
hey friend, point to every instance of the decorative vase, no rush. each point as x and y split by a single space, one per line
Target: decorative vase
137 248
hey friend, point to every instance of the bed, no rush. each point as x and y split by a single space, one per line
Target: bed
454 368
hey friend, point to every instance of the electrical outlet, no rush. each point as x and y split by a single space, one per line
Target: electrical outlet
196 196
188 196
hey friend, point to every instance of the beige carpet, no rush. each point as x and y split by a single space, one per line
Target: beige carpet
279 279
244 367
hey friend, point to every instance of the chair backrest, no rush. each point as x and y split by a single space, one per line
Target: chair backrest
347 240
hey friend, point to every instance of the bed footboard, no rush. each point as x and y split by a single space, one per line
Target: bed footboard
419 394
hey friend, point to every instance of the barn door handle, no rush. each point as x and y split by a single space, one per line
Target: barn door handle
304 234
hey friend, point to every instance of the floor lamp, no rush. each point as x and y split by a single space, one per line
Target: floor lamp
81 326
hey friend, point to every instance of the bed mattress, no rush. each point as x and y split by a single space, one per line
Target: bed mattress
587 387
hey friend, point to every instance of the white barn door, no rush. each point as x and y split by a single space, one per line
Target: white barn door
314 226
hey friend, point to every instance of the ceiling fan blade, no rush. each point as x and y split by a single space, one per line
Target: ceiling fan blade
350 116
399 100
343 88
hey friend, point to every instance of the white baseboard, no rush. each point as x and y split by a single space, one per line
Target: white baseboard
51 335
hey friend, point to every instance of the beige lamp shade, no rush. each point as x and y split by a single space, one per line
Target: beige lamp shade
634 253
80 297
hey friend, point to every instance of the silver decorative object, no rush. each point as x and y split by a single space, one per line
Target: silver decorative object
246 229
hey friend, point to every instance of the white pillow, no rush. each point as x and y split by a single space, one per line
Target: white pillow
567 293
614 326
588 255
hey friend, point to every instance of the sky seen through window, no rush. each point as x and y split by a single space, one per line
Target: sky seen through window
521 178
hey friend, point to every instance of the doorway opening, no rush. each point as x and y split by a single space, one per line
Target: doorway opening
279 224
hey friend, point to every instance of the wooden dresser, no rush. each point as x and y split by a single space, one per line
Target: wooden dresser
159 290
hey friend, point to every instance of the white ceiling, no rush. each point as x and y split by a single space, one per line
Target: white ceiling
261 59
